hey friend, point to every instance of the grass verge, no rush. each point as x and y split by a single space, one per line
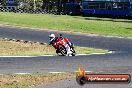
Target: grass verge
90 25
27 80
11 48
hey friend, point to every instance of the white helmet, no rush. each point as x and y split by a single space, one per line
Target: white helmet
51 37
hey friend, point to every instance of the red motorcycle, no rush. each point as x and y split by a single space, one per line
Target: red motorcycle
60 46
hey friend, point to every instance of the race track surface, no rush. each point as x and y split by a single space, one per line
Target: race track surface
118 62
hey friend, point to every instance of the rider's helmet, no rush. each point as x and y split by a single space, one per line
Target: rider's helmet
51 37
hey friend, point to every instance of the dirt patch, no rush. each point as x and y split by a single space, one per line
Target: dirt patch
14 81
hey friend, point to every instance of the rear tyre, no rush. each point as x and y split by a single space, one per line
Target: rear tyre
62 50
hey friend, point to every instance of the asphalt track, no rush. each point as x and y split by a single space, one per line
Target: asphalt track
118 62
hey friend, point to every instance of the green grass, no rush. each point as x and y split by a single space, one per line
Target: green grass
27 80
90 25
87 50
11 48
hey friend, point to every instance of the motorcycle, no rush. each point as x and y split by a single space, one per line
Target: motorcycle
60 47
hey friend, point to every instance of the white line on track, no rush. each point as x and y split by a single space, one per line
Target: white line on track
56 55
85 71
52 72
18 56
21 73
56 72
67 72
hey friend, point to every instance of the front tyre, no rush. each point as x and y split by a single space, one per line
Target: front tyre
73 52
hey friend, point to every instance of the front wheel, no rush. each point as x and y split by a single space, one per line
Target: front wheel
73 52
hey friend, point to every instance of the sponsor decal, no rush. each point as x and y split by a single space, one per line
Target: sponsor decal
84 78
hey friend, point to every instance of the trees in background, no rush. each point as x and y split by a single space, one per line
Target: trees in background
3 2
0 2
46 5
29 4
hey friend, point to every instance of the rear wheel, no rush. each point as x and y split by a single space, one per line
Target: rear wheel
62 50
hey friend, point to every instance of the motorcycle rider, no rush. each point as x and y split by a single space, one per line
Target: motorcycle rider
54 39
